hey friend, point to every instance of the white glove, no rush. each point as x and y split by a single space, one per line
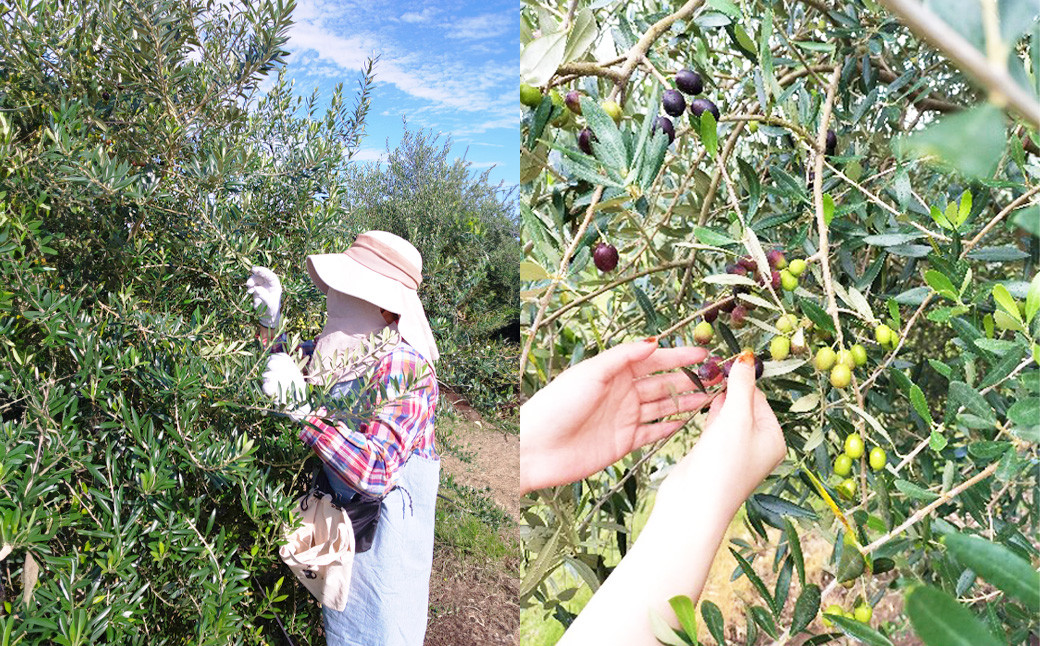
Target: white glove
283 382
266 289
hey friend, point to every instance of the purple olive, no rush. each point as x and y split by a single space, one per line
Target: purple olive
727 365
573 101
674 103
698 106
737 316
605 256
710 369
832 142
689 82
665 124
711 313
585 138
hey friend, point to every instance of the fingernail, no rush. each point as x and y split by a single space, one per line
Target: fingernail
651 339
747 356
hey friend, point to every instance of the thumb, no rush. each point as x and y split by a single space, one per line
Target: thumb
740 388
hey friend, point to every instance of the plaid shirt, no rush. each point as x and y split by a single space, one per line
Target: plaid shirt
369 459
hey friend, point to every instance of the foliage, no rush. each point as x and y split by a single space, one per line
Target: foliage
467 232
924 219
144 486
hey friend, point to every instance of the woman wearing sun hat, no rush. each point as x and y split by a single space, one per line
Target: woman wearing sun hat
371 288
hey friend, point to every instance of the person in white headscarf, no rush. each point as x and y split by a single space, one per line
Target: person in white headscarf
376 334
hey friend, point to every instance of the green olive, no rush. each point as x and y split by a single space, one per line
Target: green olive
833 609
847 488
878 459
613 110
854 446
859 354
844 357
779 348
883 334
843 465
863 613
824 359
841 376
530 95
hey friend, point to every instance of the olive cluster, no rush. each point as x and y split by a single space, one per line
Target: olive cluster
854 451
689 83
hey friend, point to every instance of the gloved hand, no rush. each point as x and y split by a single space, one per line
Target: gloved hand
266 289
283 382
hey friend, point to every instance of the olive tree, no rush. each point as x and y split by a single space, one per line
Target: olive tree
144 488
850 190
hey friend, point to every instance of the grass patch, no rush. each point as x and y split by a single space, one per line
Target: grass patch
469 522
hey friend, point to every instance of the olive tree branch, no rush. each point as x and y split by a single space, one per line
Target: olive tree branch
1003 90
696 315
636 54
564 264
709 197
920 514
920 447
1013 205
627 278
821 224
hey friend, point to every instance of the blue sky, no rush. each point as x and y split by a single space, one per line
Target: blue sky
448 66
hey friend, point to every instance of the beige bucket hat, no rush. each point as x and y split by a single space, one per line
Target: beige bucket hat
385 270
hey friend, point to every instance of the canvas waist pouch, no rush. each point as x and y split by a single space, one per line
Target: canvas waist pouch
321 551
362 510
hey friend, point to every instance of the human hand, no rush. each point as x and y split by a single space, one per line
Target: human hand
742 438
740 445
283 381
266 289
602 409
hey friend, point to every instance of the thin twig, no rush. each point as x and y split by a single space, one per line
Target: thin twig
556 279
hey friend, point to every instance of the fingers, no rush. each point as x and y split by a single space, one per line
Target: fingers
669 359
765 418
621 356
647 433
663 385
649 411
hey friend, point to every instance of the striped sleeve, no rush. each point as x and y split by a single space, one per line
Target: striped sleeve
369 458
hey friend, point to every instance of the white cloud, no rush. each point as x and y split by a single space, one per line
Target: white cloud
483 27
417 17
370 155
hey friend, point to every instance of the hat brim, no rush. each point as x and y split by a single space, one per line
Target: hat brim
344 274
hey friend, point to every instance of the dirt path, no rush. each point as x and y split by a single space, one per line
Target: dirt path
473 600
491 459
